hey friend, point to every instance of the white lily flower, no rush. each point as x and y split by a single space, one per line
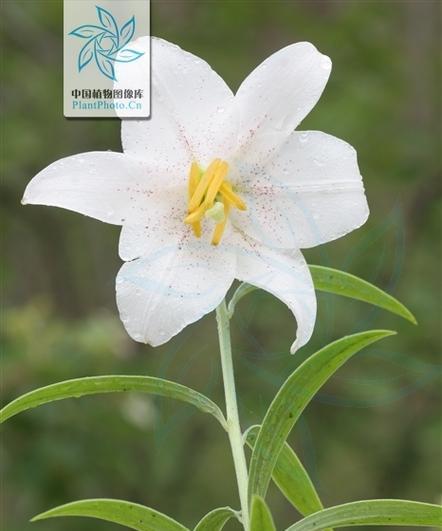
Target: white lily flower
215 187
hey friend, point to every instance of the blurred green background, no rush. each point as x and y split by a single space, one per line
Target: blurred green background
374 430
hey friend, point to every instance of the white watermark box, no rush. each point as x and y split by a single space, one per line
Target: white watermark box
99 38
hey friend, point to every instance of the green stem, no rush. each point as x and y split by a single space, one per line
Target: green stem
233 425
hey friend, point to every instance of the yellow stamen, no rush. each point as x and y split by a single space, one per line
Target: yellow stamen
212 196
220 227
227 192
196 215
212 190
202 186
216 183
196 227
194 177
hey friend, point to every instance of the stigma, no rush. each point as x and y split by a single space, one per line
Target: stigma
211 195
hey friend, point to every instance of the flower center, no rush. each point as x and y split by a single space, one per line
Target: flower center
211 195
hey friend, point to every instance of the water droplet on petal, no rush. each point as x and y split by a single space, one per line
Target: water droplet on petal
303 137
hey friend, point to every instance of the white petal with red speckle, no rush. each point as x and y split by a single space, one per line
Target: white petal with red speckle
301 188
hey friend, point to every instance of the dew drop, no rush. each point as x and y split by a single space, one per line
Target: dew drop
303 137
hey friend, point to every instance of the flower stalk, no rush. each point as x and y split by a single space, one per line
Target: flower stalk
233 424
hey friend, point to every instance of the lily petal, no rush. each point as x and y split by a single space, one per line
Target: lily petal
188 104
159 225
159 294
286 276
105 185
309 193
277 96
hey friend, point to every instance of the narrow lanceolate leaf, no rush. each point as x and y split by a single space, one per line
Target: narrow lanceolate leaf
216 519
294 395
373 512
110 384
261 517
291 477
340 283
131 515
347 285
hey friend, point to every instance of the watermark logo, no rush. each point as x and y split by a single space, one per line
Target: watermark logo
106 43
106 58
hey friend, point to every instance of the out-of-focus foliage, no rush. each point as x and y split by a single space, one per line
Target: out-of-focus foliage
373 431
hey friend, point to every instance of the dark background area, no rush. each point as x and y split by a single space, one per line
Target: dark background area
374 429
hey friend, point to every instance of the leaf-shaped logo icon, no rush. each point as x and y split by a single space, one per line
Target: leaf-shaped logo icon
106 43
105 65
86 55
87 31
127 55
127 31
107 20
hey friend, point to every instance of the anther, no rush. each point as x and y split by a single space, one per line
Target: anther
202 186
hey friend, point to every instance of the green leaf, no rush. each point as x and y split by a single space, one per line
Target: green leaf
131 515
216 519
347 285
340 283
261 518
373 512
110 384
291 477
291 400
